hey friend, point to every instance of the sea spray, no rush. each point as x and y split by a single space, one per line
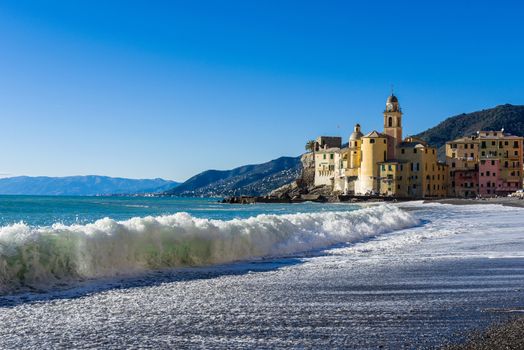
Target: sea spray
43 256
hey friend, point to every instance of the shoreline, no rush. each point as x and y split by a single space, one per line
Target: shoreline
505 201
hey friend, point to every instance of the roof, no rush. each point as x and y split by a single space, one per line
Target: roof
505 137
392 98
464 139
394 161
374 133
328 150
355 135
411 144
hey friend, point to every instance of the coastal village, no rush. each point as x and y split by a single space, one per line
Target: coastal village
384 165
488 163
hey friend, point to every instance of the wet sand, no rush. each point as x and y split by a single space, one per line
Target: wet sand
506 201
500 335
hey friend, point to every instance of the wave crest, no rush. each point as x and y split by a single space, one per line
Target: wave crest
42 256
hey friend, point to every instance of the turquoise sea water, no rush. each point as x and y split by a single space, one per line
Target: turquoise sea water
48 210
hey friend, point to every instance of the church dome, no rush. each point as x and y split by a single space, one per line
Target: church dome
392 99
356 134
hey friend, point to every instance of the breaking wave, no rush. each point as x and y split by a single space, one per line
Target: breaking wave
44 256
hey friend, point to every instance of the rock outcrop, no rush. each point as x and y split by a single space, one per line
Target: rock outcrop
303 187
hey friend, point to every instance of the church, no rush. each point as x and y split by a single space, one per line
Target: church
380 163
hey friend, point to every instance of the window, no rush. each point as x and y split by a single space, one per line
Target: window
402 151
492 162
390 122
516 153
471 155
453 155
389 168
372 141
466 146
418 166
487 173
383 167
493 143
331 156
414 150
506 143
398 187
483 145
384 140
453 165
324 156
515 144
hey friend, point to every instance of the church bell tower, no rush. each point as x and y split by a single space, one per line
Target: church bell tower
393 119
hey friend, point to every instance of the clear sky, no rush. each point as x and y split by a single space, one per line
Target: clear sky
170 88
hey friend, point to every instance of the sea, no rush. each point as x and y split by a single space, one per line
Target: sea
138 272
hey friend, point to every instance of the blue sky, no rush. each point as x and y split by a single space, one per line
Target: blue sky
170 88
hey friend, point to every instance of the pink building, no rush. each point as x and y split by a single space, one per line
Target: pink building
465 182
489 177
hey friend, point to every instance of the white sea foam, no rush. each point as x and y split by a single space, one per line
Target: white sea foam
43 256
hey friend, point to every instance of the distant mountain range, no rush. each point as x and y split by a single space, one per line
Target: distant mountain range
251 180
90 185
507 116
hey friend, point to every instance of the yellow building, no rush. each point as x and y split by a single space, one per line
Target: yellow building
325 166
374 151
394 179
383 163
